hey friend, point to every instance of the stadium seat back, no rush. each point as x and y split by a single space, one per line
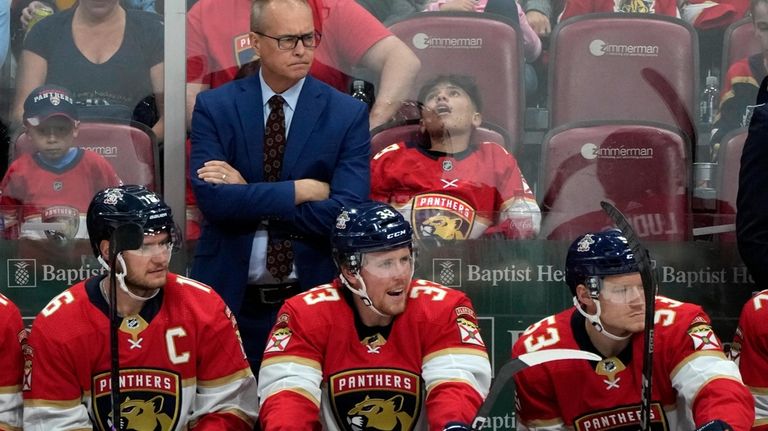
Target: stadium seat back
483 45
642 168
131 149
597 62
739 41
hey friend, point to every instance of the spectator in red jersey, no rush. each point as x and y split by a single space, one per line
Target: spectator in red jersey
743 80
218 44
450 185
45 193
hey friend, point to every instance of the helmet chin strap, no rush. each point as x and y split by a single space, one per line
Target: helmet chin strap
594 319
362 292
120 276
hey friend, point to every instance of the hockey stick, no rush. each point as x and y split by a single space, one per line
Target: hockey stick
650 286
518 364
128 236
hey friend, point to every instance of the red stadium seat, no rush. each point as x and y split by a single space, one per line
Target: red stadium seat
486 46
388 134
739 42
642 168
596 69
130 148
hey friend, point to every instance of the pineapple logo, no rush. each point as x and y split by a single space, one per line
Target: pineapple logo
447 272
22 273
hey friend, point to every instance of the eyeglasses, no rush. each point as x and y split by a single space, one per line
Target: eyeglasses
287 43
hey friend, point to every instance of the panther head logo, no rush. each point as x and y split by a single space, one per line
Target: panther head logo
379 414
442 226
144 415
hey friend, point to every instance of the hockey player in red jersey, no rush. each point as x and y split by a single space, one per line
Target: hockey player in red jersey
750 351
55 183
12 339
375 349
448 185
693 382
182 365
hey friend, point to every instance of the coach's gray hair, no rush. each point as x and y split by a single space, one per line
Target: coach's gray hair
257 11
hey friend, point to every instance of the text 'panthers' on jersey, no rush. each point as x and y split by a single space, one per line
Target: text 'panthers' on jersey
693 381
181 362
453 196
431 358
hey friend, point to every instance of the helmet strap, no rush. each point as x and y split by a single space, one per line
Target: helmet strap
594 319
362 292
120 276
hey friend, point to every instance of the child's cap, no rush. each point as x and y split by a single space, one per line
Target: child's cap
47 101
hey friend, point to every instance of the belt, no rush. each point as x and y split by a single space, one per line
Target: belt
271 294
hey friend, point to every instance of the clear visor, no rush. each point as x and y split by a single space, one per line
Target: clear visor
155 245
389 265
622 294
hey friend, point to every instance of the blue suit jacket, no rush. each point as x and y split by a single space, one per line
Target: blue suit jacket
328 141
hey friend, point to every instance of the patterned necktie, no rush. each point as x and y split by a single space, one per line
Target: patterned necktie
279 252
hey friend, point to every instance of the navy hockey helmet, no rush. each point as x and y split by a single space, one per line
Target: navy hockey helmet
368 227
116 206
596 255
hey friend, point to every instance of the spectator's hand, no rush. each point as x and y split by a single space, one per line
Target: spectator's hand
539 22
460 5
309 190
457 426
220 172
715 425
26 13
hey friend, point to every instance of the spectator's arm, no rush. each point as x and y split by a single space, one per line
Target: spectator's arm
33 70
397 66
156 74
531 41
193 89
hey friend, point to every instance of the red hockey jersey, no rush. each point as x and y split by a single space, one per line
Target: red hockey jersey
750 351
12 339
455 196
34 192
691 376
318 369
181 363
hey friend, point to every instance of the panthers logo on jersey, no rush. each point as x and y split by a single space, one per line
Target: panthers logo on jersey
150 400
376 399
441 216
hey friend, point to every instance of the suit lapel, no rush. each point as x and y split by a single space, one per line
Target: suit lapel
312 102
251 113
